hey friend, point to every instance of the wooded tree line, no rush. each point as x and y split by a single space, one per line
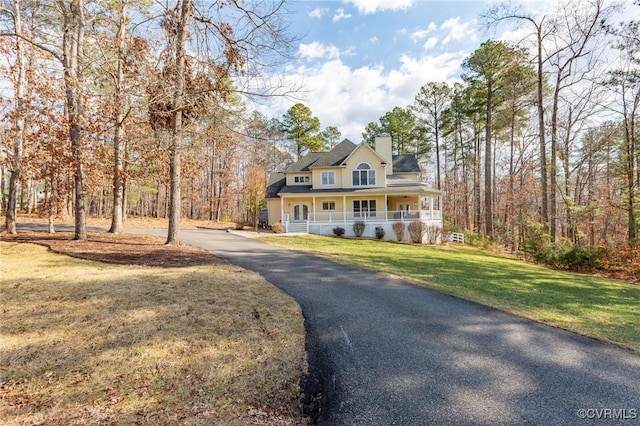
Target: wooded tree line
538 140
133 108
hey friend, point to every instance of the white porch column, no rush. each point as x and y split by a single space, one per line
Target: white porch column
431 207
386 207
344 209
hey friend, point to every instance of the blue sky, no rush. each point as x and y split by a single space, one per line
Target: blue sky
358 59
369 34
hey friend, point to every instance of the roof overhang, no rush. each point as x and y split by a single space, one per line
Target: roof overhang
415 190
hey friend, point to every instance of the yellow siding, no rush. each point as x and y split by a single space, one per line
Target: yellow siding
317 177
336 198
395 201
364 154
273 204
291 178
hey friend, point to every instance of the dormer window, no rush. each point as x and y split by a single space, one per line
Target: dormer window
328 178
364 175
301 179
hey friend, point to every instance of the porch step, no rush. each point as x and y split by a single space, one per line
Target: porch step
301 227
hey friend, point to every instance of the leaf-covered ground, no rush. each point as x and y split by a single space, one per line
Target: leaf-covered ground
159 335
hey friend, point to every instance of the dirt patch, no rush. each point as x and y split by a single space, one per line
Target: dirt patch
124 249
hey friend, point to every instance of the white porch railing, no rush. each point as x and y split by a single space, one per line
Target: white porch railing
378 216
323 222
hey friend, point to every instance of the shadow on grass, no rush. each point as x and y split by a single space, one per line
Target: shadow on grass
100 344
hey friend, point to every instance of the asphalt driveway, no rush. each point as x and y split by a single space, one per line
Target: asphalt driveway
387 352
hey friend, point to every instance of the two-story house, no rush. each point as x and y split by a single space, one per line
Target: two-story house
350 183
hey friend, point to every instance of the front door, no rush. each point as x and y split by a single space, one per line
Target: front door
404 210
300 212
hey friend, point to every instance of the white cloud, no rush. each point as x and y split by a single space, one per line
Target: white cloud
350 98
318 12
374 40
366 7
430 43
457 30
450 30
317 50
416 36
340 15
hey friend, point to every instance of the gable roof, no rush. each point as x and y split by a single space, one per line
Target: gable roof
323 159
363 145
275 185
304 162
337 155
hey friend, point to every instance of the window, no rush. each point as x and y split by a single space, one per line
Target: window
301 179
364 208
328 178
329 205
364 175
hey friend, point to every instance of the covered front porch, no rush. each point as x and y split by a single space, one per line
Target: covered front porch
320 214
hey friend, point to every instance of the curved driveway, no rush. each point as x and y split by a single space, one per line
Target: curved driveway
387 352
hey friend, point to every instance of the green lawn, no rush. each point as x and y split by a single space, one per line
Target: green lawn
601 308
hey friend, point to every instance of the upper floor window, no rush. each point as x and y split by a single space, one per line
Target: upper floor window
328 178
301 179
364 175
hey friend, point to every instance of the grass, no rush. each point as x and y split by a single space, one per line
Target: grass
601 308
83 342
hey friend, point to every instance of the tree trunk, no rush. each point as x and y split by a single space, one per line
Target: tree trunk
3 190
73 38
118 163
508 226
212 185
50 184
553 166
541 130
488 162
20 91
571 233
477 218
185 7
630 146
437 143
465 180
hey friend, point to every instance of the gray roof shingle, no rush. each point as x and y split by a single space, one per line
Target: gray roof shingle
276 183
323 159
337 155
405 163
